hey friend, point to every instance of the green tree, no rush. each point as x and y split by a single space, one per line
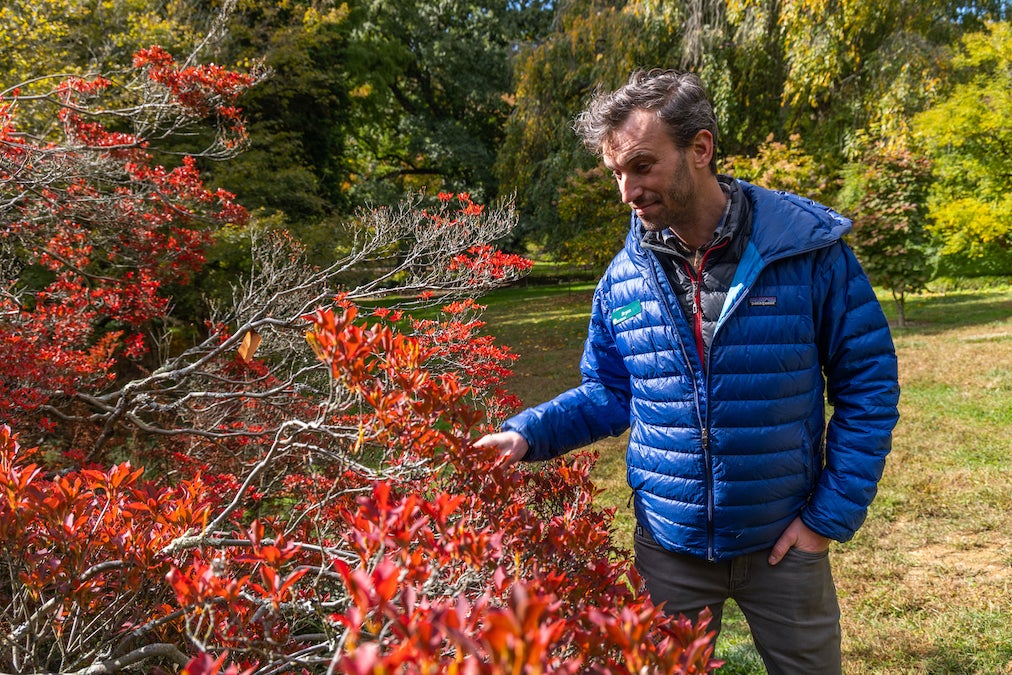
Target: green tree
429 83
825 68
589 206
886 193
745 68
300 119
968 136
371 100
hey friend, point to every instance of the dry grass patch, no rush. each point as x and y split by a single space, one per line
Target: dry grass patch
926 585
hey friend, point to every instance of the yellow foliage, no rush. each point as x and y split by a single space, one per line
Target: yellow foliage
41 37
781 166
968 226
314 19
361 91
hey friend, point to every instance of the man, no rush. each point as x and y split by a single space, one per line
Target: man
715 335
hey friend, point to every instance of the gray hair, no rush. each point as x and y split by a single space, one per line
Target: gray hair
679 99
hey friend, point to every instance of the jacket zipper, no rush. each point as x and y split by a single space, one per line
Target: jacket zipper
705 442
709 494
695 272
698 335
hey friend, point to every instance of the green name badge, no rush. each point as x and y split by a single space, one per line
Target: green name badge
626 312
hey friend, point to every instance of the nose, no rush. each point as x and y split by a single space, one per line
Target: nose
628 188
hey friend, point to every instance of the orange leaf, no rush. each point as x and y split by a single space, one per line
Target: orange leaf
249 345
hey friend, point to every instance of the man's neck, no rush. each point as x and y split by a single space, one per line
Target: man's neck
713 207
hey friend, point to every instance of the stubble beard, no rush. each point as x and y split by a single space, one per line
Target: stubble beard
676 217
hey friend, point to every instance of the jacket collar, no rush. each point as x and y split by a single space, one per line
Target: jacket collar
782 223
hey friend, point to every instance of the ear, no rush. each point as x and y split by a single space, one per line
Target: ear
701 149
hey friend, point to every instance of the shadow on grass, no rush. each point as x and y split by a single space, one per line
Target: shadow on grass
930 314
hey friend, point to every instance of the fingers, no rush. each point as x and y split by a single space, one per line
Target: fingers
512 445
800 535
783 545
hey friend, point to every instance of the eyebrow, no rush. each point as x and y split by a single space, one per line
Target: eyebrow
636 155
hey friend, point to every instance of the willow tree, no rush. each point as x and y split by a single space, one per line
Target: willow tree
594 44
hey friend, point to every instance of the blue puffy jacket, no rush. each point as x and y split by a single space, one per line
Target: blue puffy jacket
721 459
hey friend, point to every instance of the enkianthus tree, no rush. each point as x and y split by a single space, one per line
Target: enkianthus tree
97 233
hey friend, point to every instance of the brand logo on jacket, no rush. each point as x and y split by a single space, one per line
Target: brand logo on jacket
763 301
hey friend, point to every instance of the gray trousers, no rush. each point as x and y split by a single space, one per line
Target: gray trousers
791 607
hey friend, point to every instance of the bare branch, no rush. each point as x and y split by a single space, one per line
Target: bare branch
136 656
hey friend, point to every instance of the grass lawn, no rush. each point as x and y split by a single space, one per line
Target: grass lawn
926 585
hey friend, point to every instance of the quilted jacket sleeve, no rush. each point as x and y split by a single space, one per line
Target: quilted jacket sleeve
859 362
598 408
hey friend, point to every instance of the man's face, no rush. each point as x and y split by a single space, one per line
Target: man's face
653 175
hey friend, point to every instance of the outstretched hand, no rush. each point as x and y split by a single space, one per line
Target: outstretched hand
512 445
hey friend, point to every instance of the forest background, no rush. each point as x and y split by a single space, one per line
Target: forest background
319 505
370 100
